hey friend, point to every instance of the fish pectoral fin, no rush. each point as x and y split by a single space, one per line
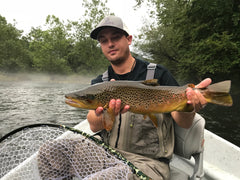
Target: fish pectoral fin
145 116
186 108
151 82
154 119
108 118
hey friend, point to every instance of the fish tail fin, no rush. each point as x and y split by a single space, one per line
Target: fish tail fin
218 93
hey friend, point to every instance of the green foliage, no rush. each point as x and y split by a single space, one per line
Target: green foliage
14 54
50 47
215 54
58 47
194 38
86 55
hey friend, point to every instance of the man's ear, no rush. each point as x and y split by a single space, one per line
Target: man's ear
129 38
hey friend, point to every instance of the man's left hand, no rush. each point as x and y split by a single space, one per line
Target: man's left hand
195 97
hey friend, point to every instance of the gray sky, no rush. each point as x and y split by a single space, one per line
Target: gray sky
32 13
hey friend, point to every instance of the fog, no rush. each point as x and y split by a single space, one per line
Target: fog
40 77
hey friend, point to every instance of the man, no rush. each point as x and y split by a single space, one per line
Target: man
147 147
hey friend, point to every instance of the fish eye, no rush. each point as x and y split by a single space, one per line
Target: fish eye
90 96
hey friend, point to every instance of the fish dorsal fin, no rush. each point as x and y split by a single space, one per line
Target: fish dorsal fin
223 87
151 82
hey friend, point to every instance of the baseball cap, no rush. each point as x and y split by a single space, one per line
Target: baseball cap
109 21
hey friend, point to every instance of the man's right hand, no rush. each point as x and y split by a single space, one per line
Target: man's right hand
95 118
113 104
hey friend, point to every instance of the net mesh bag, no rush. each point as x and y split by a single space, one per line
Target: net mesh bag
44 152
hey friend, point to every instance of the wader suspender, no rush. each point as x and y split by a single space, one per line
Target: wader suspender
105 76
150 75
150 72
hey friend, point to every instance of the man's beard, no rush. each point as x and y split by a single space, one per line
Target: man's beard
120 60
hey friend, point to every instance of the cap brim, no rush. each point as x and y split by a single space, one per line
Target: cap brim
95 32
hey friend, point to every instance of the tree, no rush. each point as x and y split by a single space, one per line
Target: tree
59 47
50 47
64 48
86 54
213 36
197 37
14 54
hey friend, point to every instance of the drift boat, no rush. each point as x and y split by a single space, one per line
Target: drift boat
199 154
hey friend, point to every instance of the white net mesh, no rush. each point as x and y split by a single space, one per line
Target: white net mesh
35 153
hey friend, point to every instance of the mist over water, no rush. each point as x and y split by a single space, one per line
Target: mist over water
33 98
29 99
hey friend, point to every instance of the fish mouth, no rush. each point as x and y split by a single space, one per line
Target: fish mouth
77 103
72 102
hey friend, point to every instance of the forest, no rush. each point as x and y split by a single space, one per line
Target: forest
193 39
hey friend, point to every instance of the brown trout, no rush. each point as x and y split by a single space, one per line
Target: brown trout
145 97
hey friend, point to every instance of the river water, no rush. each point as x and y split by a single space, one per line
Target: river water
30 99
38 99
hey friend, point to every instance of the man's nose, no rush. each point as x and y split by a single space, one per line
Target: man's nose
110 43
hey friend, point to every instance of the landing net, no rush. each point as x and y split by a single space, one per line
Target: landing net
44 152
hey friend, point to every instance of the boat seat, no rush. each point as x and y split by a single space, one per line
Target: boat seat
189 143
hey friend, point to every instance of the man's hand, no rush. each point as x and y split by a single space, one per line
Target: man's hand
95 117
113 104
195 97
